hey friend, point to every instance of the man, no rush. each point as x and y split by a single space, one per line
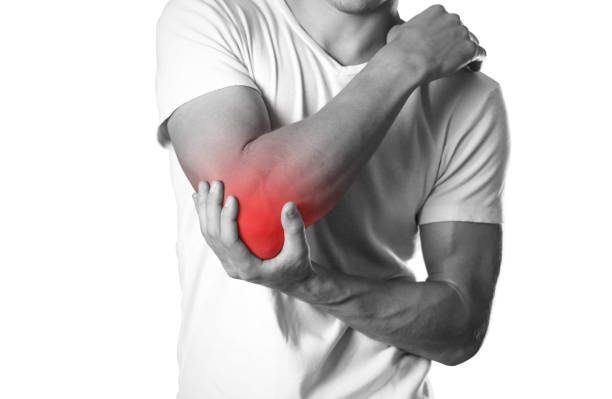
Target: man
337 116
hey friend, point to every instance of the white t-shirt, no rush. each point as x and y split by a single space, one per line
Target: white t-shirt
443 159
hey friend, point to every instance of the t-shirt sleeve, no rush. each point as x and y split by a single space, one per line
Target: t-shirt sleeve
470 180
199 50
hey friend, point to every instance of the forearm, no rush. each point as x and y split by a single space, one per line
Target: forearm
323 152
313 162
431 319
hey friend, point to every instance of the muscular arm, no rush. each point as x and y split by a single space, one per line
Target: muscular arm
443 318
225 135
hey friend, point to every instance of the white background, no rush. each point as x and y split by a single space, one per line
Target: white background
89 294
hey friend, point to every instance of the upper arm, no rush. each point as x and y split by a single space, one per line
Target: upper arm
467 256
210 107
470 178
209 132
460 221
205 91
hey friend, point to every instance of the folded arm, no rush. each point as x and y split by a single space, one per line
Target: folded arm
226 134
443 318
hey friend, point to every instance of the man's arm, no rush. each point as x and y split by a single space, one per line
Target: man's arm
226 135
443 318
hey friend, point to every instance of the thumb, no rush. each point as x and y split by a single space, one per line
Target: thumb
293 226
394 30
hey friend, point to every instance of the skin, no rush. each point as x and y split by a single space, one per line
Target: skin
270 173
351 31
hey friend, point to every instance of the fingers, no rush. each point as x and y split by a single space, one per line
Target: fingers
200 199
435 9
219 227
213 208
229 226
478 53
293 227
474 51
473 37
292 264
216 223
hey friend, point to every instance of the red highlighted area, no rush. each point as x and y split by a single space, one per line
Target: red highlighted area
260 200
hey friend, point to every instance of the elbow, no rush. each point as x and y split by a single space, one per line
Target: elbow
262 191
259 218
260 201
458 355
259 205
463 349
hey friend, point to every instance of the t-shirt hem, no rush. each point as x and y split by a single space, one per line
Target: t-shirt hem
461 213
165 112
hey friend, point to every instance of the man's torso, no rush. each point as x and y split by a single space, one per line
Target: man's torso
237 337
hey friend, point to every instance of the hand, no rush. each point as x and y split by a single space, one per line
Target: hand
436 44
218 224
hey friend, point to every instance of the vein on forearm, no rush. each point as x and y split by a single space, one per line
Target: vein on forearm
418 317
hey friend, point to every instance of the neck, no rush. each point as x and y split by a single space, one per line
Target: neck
350 38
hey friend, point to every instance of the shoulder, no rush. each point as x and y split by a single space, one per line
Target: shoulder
460 101
463 91
466 111
472 82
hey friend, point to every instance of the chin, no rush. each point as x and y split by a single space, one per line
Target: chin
357 6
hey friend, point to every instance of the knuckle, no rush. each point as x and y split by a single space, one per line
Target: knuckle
454 17
226 214
228 242
463 33
232 244
438 8
296 228
472 47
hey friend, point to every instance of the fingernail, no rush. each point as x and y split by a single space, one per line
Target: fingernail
228 201
292 211
215 185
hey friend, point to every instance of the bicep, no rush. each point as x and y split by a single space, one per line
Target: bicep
465 254
209 132
209 135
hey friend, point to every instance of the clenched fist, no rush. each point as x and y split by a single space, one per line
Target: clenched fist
434 44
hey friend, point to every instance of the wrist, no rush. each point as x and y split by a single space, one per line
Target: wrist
319 288
409 67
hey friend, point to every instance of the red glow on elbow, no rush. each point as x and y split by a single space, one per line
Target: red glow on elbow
259 215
